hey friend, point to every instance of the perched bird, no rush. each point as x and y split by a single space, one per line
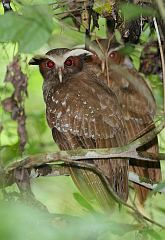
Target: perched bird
89 106
83 112
111 49
136 101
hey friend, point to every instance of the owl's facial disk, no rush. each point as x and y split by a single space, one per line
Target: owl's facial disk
60 62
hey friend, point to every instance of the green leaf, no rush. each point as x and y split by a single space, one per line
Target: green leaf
31 29
127 50
120 229
131 11
83 202
22 222
153 234
39 1
104 8
157 87
145 34
9 153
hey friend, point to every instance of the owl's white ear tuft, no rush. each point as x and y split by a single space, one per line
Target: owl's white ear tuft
77 52
114 49
38 58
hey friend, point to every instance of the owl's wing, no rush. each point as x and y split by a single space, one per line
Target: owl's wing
138 107
87 115
138 110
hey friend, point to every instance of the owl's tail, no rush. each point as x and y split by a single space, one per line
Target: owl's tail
146 169
92 188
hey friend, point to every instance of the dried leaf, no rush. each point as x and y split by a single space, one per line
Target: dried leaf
9 104
22 133
15 75
85 19
15 103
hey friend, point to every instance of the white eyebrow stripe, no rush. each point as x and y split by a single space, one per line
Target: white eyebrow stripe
82 46
76 52
38 57
50 57
58 60
115 49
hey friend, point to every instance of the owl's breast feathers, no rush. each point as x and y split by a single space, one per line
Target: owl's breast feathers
85 108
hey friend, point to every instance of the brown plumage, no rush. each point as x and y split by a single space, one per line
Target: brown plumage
84 113
137 105
85 110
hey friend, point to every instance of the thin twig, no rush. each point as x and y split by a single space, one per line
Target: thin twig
62 169
162 57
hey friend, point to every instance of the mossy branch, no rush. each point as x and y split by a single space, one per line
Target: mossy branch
39 165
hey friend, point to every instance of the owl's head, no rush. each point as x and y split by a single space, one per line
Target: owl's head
111 50
58 64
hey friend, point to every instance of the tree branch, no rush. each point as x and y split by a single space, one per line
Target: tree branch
161 56
37 165
63 170
113 195
127 151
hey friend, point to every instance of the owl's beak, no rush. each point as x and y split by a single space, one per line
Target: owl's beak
60 74
102 66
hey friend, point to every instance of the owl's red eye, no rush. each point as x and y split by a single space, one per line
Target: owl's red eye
68 62
50 64
113 55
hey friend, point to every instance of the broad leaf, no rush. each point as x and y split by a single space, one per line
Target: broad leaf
31 29
131 11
